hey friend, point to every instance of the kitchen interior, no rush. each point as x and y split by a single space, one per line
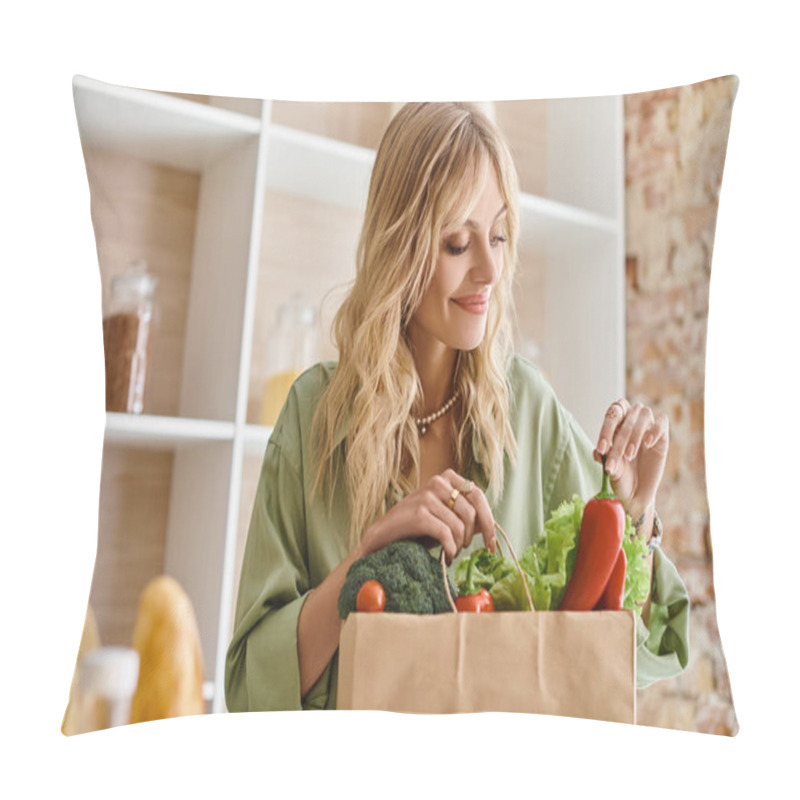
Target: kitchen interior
226 233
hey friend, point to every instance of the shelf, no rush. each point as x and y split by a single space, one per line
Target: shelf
547 225
157 127
168 433
255 439
312 166
307 165
533 207
163 433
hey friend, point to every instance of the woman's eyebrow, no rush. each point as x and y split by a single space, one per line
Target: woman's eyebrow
472 224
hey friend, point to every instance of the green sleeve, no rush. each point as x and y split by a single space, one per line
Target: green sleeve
662 649
574 470
262 669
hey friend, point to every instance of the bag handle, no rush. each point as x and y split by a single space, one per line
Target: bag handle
516 562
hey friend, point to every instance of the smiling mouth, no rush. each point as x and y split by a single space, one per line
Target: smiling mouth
475 304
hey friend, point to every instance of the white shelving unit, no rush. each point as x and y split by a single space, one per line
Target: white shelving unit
158 432
240 158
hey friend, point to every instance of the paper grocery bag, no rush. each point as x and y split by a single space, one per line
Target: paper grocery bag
566 663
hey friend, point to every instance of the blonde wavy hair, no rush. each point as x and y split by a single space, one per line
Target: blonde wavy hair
428 174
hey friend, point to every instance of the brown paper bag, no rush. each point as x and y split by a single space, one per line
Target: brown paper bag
566 663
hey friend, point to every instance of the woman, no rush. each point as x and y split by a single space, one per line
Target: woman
429 426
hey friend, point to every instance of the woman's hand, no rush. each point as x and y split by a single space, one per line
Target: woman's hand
635 442
431 513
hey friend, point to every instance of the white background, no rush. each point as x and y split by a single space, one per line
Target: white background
52 394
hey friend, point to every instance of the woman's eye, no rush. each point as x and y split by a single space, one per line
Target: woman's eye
455 249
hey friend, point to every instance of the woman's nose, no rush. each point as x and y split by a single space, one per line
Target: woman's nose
488 264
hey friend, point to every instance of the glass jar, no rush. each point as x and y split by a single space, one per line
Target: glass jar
291 349
110 675
127 337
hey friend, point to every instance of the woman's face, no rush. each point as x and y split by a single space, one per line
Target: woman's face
454 310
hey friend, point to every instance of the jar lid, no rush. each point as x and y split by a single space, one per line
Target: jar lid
136 279
112 672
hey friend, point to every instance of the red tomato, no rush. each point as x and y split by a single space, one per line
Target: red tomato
370 597
479 602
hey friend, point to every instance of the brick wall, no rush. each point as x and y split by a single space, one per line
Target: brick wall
675 142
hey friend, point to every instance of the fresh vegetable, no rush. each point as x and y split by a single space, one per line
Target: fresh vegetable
488 572
479 602
410 576
637 571
487 569
472 598
614 593
371 597
548 565
601 532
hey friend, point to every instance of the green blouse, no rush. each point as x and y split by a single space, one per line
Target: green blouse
295 542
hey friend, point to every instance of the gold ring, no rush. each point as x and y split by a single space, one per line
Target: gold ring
467 487
453 497
619 405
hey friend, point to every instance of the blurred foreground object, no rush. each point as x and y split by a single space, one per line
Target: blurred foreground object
110 673
291 349
84 712
171 663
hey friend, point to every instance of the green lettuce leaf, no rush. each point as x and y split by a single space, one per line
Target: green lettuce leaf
486 572
637 576
548 564
508 594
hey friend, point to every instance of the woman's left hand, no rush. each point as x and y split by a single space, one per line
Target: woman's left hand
635 442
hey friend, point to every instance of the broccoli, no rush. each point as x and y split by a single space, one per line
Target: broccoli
409 574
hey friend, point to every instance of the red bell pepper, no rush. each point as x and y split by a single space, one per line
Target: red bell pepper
474 600
599 543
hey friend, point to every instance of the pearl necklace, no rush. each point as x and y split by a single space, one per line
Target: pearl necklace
423 423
